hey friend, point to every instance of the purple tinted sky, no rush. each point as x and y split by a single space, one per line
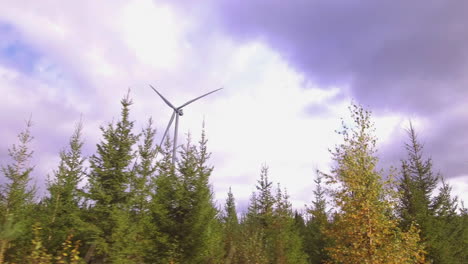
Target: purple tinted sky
290 68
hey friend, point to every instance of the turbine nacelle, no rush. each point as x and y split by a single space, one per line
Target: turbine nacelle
175 115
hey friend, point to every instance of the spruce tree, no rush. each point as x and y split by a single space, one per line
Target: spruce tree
364 231
251 248
265 198
288 244
230 227
63 215
145 169
186 225
315 240
202 241
269 229
447 236
109 182
17 198
416 185
141 187
163 228
434 215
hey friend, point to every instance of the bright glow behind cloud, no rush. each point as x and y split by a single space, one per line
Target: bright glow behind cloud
91 53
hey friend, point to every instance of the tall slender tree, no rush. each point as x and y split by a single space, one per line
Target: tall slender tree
141 188
230 227
416 185
315 240
109 182
183 211
62 207
163 228
202 242
145 171
17 198
288 244
434 214
269 228
363 230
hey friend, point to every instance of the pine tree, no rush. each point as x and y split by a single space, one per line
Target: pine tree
265 198
315 239
63 215
163 228
435 216
288 246
264 216
269 229
251 248
17 197
417 184
446 244
230 227
141 187
109 182
187 228
202 241
363 230
145 169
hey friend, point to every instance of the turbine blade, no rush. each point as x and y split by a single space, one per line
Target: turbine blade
167 128
193 100
162 97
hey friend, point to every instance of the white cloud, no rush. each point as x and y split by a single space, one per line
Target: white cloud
92 52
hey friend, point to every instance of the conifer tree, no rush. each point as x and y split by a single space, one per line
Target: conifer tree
251 248
269 230
63 215
435 216
17 198
446 244
417 184
109 182
163 228
363 230
145 169
141 187
185 218
315 240
202 241
230 227
288 246
265 198
262 218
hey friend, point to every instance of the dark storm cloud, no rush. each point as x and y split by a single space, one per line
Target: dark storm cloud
444 141
394 54
398 56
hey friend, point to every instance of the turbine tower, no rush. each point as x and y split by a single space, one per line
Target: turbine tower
177 112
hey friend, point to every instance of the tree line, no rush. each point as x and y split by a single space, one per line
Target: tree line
139 207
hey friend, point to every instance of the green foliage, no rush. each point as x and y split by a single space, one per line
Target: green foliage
67 254
139 207
109 183
441 229
315 241
269 231
417 184
187 228
62 212
363 231
16 198
230 227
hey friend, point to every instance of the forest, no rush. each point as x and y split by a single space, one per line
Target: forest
133 205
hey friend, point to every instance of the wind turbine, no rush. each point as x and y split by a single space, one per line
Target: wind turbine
177 112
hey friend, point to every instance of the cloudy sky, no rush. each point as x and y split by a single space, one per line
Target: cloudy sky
289 70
